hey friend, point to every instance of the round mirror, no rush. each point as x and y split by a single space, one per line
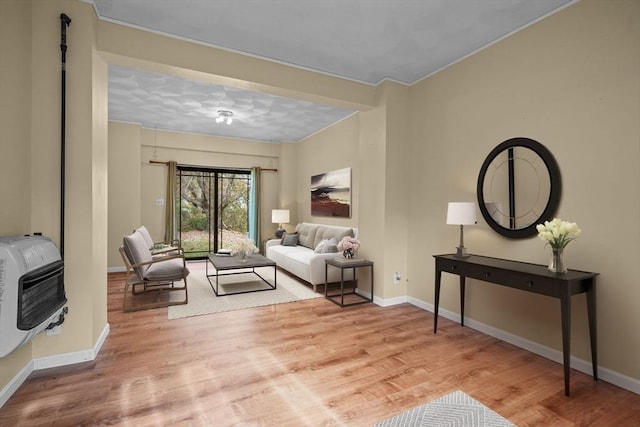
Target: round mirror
518 187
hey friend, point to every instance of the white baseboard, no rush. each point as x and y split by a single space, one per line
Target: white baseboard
388 302
116 269
15 383
71 358
581 365
383 302
52 362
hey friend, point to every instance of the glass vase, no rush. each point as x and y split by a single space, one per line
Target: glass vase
556 263
348 253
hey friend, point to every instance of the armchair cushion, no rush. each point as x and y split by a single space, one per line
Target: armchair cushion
146 235
162 248
138 252
167 270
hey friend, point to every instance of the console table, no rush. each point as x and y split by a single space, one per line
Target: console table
531 278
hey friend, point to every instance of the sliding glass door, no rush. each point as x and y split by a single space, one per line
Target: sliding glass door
214 209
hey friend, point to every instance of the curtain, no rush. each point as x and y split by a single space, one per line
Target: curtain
170 233
254 206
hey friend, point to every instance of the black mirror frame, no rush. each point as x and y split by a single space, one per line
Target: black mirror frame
554 177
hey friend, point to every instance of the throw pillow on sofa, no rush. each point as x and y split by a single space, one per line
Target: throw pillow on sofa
327 246
320 246
330 248
290 239
284 234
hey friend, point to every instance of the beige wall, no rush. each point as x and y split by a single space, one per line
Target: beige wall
572 82
15 105
33 121
373 143
332 149
136 184
396 192
15 142
145 50
124 186
336 147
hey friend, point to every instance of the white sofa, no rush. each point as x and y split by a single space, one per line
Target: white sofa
302 260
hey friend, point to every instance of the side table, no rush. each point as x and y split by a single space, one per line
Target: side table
342 264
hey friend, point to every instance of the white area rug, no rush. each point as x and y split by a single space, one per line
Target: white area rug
454 409
202 299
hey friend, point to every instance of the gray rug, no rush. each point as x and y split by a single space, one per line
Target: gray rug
202 299
454 409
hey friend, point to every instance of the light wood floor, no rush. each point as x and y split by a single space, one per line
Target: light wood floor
309 363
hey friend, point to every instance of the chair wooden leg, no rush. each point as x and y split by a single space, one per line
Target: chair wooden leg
159 289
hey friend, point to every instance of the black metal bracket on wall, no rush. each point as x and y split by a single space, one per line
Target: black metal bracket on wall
65 21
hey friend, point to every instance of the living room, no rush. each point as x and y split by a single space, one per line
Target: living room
569 81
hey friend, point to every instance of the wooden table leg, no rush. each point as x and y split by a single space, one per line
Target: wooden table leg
436 300
462 292
565 308
342 287
593 329
371 299
326 284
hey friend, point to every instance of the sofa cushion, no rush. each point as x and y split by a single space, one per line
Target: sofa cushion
307 235
328 232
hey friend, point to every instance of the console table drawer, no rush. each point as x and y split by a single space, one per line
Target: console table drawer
453 267
526 283
535 285
538 285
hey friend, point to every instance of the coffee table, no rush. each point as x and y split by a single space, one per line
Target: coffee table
231 263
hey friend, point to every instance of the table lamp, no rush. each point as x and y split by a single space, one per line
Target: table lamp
280 216
461 213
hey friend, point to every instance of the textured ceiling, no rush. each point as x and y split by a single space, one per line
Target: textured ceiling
362 40
172 103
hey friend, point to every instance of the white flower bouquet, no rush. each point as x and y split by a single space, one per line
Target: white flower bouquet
557 233
245 246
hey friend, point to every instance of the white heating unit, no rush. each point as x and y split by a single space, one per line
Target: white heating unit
32 295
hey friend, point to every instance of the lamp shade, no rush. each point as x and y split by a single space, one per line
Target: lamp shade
280 216
461 213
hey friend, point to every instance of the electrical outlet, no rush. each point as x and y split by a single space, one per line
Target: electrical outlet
396 278
56 330
160 202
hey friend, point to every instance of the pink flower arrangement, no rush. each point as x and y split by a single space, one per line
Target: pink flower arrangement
349 243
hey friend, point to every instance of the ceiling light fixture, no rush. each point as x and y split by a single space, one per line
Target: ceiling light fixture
224 116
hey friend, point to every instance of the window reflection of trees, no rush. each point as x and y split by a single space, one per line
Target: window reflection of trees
214 209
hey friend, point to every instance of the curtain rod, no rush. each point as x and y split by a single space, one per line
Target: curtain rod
167 164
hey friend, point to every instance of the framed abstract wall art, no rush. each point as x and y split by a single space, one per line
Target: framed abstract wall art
331 194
